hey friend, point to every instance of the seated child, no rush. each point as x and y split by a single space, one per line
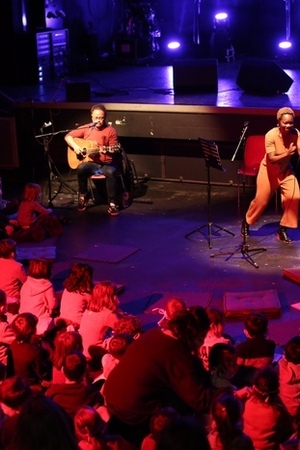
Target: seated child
226 428
289 376
14 393
35 223
116 349
13 274
173 305
6 331
26 356
37 294
74 392
266 420
158 421
257 351
215 334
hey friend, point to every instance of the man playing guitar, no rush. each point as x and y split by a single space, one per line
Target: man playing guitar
94 150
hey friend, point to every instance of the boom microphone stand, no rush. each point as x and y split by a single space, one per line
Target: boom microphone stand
52 170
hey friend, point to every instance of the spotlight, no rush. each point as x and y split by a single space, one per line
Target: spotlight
221 17
285 45
173 45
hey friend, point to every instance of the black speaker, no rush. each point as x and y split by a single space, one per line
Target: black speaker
78 92
199 75
263 77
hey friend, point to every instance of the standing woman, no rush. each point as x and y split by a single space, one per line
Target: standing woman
275 171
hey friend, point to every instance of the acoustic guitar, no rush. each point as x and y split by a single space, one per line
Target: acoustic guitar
88 149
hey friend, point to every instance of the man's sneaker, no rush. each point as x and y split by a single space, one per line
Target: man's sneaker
82 203
113 210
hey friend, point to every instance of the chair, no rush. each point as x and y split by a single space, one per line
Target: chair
254 152
128 180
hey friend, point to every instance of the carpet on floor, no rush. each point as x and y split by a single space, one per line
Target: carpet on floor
190 299
107 253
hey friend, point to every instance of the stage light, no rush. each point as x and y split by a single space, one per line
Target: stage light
285 45
173 45
221 16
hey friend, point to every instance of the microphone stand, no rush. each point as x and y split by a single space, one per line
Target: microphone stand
244 130
51 166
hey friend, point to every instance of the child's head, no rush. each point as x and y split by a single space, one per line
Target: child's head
80 278
266 384
174 304
222 356
292 350
217 319
130 325
32 192
160 419
118 345
256 325
64 343
88 424
74 366
226 412
104 295
7 248
14 392
24 326
40 268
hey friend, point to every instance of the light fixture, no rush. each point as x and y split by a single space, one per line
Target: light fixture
173 45
285 45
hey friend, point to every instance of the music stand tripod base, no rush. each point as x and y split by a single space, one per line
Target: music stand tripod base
210 231
245 250
212 159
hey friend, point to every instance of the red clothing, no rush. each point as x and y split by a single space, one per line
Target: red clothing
70 396
28 212
156 370
104 137
12 277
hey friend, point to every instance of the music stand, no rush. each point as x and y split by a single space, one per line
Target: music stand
212 159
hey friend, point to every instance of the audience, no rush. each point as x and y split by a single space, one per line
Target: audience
12 272
257 351
157 393
14 393
289 376
214 335
64 343
6 331
99 318
266 420
37 294
74 392
26 357
77 293
43 425
227 425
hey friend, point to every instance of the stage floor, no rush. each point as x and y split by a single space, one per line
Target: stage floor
153 84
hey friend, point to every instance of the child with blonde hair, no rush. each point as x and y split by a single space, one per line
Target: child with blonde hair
99 319
35 222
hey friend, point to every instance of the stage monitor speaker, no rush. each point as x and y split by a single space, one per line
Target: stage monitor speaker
78 92
263 77
197 75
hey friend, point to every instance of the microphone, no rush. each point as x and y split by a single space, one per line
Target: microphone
45 125
94 124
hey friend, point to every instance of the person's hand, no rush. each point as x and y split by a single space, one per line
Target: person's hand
292 148
77 149
244 393
9 229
